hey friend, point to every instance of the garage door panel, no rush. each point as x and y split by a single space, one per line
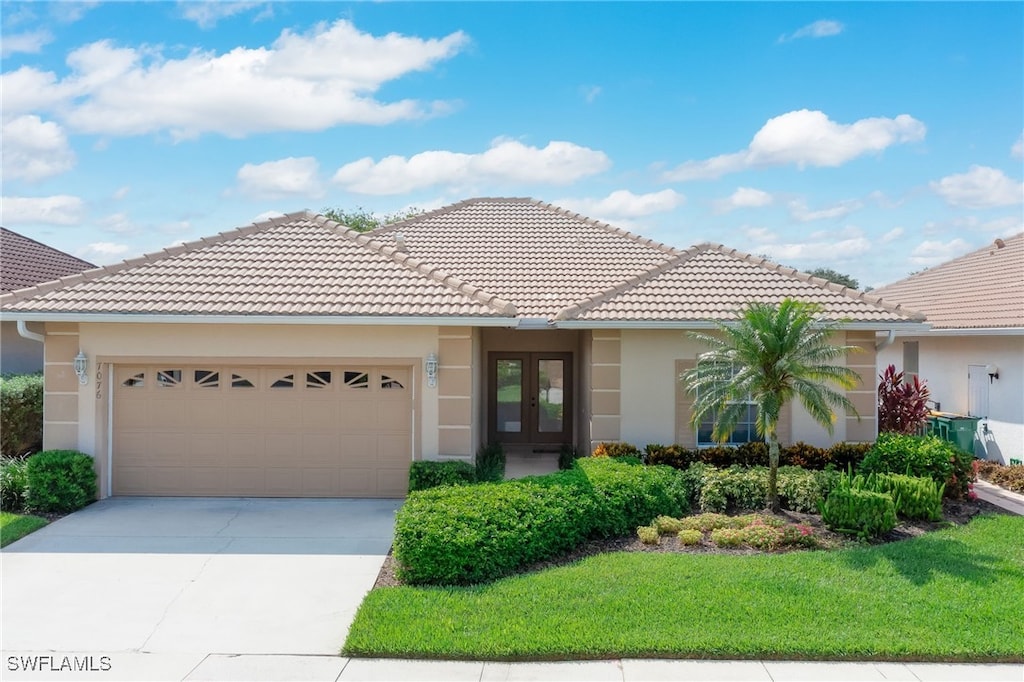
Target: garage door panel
269 432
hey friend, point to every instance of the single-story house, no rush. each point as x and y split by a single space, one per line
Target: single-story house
973 355
296 357
24 263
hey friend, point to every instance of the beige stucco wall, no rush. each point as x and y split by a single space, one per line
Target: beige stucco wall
19 355
260 344
943 363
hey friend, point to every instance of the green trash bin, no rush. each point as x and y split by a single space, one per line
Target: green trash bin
962 430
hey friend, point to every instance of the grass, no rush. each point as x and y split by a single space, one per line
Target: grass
16 526
950 595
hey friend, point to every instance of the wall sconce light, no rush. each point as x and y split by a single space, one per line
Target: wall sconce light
992 371
81 367
431 368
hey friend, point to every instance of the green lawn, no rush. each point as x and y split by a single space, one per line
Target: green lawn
951 595
15 526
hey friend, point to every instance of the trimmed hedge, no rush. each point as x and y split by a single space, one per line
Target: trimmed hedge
841 455
473 533
60 481
927 456
433 474
21 414
741 488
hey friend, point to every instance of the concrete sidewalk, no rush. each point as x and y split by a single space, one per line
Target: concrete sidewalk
993 494
259 668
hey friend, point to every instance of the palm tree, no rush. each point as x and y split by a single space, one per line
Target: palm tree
768 356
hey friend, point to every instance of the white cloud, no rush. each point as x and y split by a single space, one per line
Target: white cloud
291 177
822 28
806 138
30 43
267 215
590 92
61 209
103 253
761 235
822 247
207 14
1017 150
892 235
117 223
979 187
625 204
70 12
304 81
507 161
34 149
744 197
930 253
798 210
121 192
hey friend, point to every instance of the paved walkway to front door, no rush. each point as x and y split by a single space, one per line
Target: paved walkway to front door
183 578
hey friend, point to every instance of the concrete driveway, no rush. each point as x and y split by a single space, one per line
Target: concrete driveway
158 584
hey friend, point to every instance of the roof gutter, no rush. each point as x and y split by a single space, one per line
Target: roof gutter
887 341
129 318
24 332
904 327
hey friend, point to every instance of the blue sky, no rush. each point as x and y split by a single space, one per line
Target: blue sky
872 138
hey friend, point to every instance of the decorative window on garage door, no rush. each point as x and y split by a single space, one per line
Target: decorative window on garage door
394 378
356 378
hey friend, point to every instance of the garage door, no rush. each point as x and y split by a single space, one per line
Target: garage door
296 431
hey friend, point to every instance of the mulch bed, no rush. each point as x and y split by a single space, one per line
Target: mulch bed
955 512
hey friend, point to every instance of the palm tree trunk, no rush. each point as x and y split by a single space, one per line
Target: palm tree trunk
773 471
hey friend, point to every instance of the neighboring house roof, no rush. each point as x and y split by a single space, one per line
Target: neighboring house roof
25 262
501 260
710 281
982 290
539 256
298 264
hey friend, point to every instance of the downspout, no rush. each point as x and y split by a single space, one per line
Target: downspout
24 332
885 343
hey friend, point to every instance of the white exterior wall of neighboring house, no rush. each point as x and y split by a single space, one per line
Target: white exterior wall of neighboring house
263 343
18 355
945 362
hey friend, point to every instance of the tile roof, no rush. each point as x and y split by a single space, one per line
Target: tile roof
482 258
299 264
541 257
711 282
984 289
25 262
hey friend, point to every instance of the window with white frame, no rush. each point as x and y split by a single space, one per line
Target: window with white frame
744 431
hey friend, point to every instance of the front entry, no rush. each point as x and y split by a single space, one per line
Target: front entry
529 397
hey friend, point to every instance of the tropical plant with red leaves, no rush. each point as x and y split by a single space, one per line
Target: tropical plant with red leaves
902 402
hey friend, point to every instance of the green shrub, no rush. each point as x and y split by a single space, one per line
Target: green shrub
668 524
431 474
490 463
690 537
567 456
801 454
707 522
60 481
469 534
21 414
927 456
738 488
649 535
840 455
675 456
630 495
760 535
727 537
843 456
858 512
615 450
13 484
914 497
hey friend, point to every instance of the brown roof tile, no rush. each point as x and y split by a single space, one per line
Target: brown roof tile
541 257
984 289
711 282
299 264
25 262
